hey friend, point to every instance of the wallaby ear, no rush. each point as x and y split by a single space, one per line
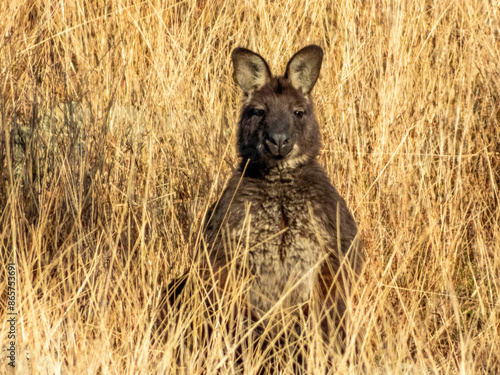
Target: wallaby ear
250 70
303 68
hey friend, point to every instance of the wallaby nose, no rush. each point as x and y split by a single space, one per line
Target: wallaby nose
279 143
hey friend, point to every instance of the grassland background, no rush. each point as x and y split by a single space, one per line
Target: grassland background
118 122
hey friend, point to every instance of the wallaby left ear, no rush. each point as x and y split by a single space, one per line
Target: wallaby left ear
250 70
303 68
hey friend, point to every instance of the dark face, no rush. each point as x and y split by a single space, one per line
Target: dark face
278 127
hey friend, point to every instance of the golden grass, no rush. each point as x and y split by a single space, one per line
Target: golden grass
118 131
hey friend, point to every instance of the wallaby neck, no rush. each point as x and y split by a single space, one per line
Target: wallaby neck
278 173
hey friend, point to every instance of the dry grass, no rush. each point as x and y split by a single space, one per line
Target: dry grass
118 130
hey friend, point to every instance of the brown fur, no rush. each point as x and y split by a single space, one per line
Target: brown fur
296 227
290 204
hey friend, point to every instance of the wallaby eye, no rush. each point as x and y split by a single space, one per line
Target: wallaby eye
299 114
258 112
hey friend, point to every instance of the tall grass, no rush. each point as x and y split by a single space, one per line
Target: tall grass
118 123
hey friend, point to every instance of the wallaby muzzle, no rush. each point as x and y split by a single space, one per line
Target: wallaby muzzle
279 143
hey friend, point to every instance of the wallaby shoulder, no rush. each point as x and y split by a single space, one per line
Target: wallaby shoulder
307 185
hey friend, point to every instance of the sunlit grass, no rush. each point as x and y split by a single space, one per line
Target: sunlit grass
118 132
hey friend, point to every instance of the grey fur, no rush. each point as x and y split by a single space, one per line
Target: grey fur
284 210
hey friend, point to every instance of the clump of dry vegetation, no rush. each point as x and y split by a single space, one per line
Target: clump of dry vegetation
118 130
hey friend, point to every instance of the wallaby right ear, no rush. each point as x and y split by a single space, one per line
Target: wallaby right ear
250 70
303 68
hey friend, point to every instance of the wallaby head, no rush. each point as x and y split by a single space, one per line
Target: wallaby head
278 127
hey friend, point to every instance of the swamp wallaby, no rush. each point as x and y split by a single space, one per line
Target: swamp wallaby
300 240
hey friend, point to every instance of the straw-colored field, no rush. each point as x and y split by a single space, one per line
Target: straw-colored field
118 123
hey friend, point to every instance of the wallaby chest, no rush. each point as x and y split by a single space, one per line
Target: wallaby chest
283 245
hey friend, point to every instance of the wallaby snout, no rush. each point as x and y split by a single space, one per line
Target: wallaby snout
279 143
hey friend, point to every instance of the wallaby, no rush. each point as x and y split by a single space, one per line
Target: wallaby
301 241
